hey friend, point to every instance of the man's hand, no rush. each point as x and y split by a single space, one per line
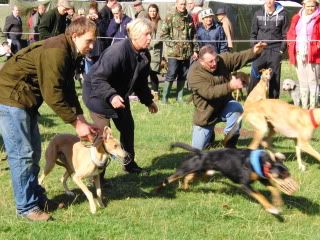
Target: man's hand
258 48
194 56
117 102
235 83
153 108
117 19
84 129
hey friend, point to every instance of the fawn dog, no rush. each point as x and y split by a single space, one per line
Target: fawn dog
243 166
276 116
260 91
81 161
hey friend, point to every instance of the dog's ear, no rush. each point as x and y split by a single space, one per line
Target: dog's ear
294 85
267 156
107 133
262 70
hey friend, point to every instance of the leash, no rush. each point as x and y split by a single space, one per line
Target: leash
312 118
263 172
85 141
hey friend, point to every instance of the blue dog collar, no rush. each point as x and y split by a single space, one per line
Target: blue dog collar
255 162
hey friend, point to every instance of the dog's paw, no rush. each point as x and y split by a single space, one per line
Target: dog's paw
99 203
302 168
273 210
93 210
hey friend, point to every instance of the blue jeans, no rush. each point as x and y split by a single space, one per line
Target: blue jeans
20 132
201 135
177 69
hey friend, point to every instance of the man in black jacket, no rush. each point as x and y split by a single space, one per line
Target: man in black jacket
269 23
121 70
13 29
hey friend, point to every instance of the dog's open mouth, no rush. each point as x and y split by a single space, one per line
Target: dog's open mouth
288 185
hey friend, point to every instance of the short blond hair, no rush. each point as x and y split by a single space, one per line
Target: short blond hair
137 26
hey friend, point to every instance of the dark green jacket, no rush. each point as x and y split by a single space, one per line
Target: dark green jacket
52 24
210 91
42 71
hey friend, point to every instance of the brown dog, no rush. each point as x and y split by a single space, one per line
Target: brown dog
82 161
260 91
275 116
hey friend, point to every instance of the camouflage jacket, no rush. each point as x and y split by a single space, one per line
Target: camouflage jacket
179 26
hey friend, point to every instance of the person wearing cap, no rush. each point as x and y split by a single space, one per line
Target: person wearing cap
41 72
138 8
210 81
226 25
269 24
211 32
178 33
54 21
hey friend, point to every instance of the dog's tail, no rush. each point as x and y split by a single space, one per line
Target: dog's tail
185 147
233 130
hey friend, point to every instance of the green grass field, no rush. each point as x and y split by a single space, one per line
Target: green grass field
216 209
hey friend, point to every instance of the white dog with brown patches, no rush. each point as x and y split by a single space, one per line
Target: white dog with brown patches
82 161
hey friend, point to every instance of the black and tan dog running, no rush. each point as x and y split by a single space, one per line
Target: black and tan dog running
242 166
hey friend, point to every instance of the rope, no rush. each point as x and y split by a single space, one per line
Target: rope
178 40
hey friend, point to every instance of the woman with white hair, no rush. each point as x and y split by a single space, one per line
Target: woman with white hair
304 51
122 69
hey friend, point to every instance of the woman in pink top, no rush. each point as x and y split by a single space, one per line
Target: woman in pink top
304 50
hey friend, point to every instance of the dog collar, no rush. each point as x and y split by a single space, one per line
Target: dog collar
313 120
98 164
255 162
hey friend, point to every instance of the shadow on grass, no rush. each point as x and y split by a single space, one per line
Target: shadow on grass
131 185
134 186
303 204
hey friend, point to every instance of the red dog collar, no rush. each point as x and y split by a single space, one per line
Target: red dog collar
313 120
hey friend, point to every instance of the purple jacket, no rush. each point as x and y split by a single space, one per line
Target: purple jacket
118 31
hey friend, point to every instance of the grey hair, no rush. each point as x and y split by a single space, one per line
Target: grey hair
137 26
207 49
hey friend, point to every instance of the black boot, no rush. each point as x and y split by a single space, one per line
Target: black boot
133 167
232 142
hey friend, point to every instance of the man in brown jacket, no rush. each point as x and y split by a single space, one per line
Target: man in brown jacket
41 72
209 80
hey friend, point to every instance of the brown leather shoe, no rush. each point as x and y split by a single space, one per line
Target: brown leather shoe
38 215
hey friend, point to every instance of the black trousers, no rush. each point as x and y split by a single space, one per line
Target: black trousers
125 125
270 58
